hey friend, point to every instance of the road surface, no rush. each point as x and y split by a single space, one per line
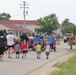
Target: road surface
31 63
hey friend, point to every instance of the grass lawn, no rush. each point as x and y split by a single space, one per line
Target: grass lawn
67 68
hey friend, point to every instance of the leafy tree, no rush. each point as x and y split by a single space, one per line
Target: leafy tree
71 28
66 22
47 24
4 16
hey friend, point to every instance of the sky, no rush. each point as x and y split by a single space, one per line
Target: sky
40 8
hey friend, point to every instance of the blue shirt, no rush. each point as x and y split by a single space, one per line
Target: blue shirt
36 40
51 40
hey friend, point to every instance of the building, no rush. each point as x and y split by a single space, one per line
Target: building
17 26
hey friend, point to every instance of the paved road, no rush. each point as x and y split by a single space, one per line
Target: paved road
25 66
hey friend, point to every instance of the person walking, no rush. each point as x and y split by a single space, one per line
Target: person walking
57 39
2 47
70 42
10 43
51 41
38 50
47 49
36 40
24 37
17 48
24 49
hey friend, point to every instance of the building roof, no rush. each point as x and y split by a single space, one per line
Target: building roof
32 22
11 24
13 27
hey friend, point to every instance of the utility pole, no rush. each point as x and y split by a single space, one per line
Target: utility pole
24 12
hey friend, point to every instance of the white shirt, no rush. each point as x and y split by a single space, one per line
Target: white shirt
10 39
31 37
47 48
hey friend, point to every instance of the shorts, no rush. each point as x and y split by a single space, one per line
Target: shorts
35 44
47 53
39 52
25 51
10 46
2 49
17 52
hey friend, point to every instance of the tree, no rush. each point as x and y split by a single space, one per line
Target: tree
66 22
47 24
4 16
70 28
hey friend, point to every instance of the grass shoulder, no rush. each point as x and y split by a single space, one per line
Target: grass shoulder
66 68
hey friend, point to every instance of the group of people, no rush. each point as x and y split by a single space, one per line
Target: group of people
12 43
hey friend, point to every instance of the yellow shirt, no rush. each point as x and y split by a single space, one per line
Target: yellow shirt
38 47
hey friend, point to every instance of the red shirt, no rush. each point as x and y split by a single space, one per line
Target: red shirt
24 47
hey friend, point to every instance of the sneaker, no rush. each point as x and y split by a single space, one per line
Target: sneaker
47 58
10 57
22 56
54 50
37 57
1 60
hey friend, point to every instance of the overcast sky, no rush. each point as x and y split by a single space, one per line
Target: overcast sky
40 8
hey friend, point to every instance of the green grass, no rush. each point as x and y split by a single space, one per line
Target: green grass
67 68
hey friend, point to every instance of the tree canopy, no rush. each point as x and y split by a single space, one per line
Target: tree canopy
68 27
47 24
5 16
66 22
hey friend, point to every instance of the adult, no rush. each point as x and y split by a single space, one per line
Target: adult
57 39
10 43
2 47
24 37
36 39
70 42
51 41
5 33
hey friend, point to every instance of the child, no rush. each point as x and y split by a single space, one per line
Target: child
47 50
38 50
24 49
17 48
